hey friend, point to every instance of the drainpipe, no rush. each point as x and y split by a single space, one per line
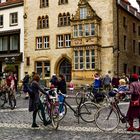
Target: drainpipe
118 38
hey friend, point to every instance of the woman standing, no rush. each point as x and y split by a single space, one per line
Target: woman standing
35 103
133 110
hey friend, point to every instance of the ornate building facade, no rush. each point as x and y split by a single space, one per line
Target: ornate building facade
79 37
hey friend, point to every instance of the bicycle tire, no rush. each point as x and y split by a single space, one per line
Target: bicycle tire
54 116
87 111
106 122
46 114
64 112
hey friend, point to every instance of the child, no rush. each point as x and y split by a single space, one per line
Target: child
122 89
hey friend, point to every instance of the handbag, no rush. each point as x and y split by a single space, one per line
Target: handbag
135 103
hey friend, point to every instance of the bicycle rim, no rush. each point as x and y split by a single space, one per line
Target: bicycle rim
107 119
54 117
87 111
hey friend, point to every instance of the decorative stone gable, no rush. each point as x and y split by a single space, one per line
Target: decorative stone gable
91 14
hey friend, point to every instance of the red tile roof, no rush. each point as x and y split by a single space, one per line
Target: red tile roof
10 2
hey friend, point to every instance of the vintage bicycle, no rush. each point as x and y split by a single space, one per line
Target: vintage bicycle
51 108
108 118
84 110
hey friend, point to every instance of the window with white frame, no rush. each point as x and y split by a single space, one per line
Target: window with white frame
3 43
92 29
60 41
92 59
63 40
67 40
43 68
80 61
14 18
83 13
14 42
1 20
75 31
46 42
87 30
39 42
42 42
76 60
84 30
87 59
80 30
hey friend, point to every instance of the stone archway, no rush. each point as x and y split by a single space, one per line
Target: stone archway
65 68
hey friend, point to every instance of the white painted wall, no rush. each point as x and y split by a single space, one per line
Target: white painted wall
7 27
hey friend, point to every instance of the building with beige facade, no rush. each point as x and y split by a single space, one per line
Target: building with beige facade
79 37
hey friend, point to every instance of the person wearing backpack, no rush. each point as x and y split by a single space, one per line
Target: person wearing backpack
35 102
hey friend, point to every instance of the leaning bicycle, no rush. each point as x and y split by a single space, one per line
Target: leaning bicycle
51 108
85 111
108 118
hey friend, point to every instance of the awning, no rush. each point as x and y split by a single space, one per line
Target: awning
18 57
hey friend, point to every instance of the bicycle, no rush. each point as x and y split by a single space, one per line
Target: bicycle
108 118
3 99
85 111
101 98
51 107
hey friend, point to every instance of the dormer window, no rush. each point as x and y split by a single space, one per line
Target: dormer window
83 13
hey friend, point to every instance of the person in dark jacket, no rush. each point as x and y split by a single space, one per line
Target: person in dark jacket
62 88
25 84
35 103
134 111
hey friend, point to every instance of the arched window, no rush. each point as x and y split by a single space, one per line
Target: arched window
43 22
60 20
68 18
39 23
64 19
46 21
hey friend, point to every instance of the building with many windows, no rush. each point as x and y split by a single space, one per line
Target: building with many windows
12 35
79 37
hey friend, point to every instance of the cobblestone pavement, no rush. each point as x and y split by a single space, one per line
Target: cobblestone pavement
16 125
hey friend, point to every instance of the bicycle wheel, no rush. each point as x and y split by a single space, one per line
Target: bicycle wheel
79 96
107 118
46 114
61 116
54 115
87 111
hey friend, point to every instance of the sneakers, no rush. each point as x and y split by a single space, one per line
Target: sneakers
131 128
61 114
35 125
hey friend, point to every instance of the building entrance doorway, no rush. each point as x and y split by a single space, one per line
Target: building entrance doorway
65 68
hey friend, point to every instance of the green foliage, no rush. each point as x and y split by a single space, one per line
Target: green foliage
9 68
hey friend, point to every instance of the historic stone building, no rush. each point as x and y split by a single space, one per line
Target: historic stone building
79 37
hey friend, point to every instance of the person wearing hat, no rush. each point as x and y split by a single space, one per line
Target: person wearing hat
133 111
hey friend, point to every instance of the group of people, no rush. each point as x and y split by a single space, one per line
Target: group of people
35 103
125 86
